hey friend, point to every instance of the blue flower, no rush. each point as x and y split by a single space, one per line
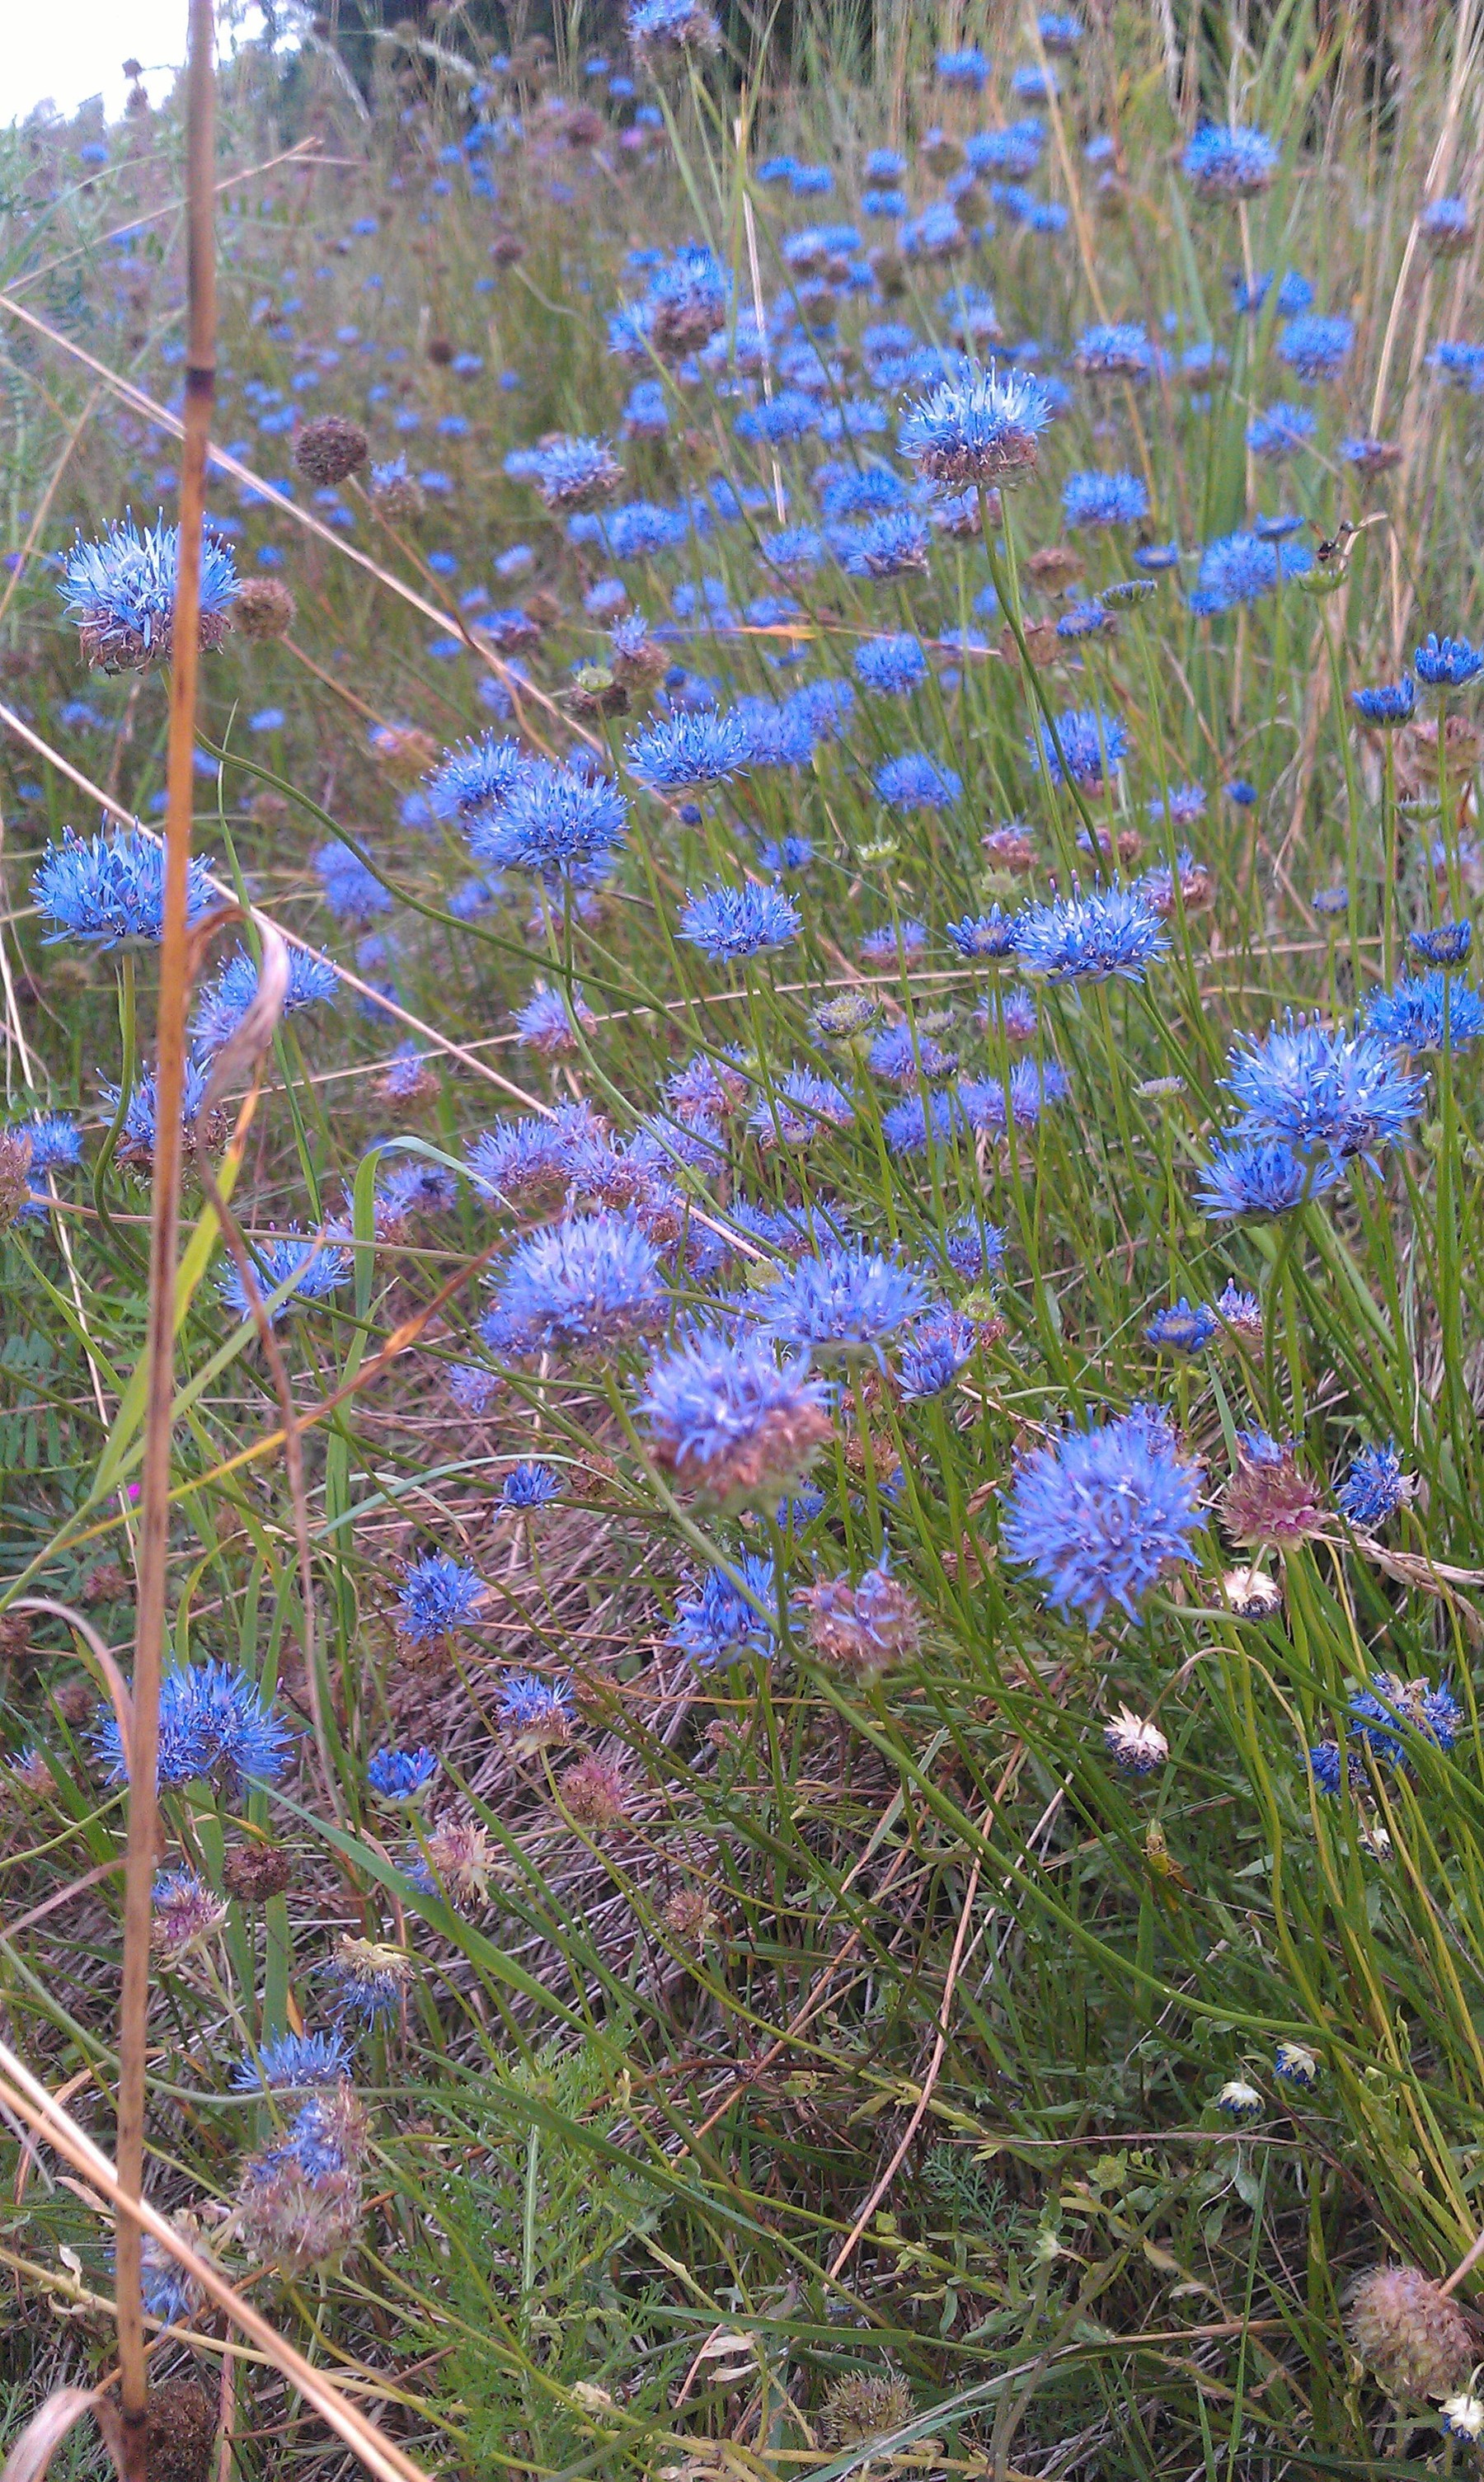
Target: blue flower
680 750
112 888
975 1250
368 1979
1426 1013
914 781
903 1055
718 1625
848 1300
983 934
1388 704
122 592
1110 932
1383 1711
640 531
937 1348
1237 568
437 1596
1447 663
1229 162
1307 1087
1104 500
478 775
977 429
555 824
1295 293
311 1268
966 68
1182 1329
534 1712
892 666
672 25
1101 1514
1115 350
1280 431
292 2063
401 1775
1449 944
574 473
1261 1179
1059 34
732 1419
226 1001
587 1281
895 544
1446 224
798 1106
529 1485
214 1721
1092 749
350 887
1375 1486
1085 621
1315 346
739 921
55 1138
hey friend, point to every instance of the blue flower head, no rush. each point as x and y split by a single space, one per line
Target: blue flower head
1427 1013
293 2064
1115 350
1261 1177
477 776
728 922
122 592
732 1419
982 428
437 1596
1446 944
1447 663
1317 1089
983 934
935 1352
914 781
718 1625
1387 703
891 666
1229 162
1239 567
529 1485
554 823
225 1002
1281 431
112 888
1181 1329
1316 348
1103 1511
893 545
214 1722
586 1283
688 748
574 473
847 1301
534 1712
1109 933
401 1775
1375 1486
1104 500
1382 1712
1092 747
311 1268
671 26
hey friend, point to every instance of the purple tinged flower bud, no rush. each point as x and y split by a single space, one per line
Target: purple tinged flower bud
1404 2328
863 1630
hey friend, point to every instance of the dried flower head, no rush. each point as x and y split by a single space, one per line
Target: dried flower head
1404 2328
264 609
327 450
863 2405
863 1628
1268 1498
1134 1742
186 1912
457 1864
1251 1593
593 1792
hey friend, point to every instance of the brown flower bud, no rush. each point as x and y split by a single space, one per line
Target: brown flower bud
441 352
328 448
255 1872
1408 2332
264 609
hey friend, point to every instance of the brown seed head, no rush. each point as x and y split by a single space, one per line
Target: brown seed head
1412 2339
328 448
264 609
255 1872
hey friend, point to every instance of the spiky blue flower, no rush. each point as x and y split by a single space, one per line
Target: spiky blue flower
1387 703
1103 1511
846 1301
55 1138
475 776
1229 162
1315 347
350 888
534 1711
936 1350
895 544
1109 933
1104 500
401 1775
1315 1087
214 1722
903 1054
983 934
718 1625
968 66
1261 1177
732 1418
587 1281
112 888
312 1268
1239 567
530 1485
556 825
980 428
975 1250
1375 1486
727 922
1447 663
1117 349
1183 1328
640 531
571 473
1446 224
912 781
1092 747
1295 293
1427 1013
672 25
437 1596
1382 1712
291 2064
226 1001
892 665
122 593
1446 944
677 749
1281 431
